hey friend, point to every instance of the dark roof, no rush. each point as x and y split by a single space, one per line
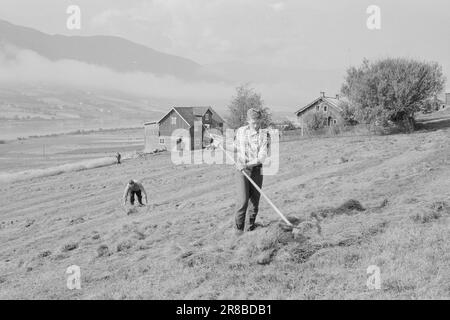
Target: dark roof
202 110
189 114
337 103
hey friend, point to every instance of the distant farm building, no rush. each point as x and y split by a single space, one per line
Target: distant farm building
330 106
182 127
445 101
439 102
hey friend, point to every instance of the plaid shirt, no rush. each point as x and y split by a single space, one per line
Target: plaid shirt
251 145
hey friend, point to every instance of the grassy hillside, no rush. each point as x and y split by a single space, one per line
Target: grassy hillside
58 103
183 245
39 110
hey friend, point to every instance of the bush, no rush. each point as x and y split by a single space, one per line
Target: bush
288 125
349 115
315 121
336 129
430 106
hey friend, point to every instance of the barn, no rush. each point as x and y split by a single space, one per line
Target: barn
166 133
330 106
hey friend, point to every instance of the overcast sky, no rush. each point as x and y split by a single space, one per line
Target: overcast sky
293 34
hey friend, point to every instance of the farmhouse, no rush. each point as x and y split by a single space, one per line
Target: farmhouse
444 102
166 133
441 104
330 106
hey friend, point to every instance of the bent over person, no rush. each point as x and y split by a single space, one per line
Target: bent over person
251 146
134 188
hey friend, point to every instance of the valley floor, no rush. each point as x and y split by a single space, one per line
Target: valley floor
56 150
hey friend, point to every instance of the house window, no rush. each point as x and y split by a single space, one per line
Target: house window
207 117
161 141
174 120
325 108
317 108
334 121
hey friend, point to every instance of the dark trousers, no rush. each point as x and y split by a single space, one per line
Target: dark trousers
247 198
139 196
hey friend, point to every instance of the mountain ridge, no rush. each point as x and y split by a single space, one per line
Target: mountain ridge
114 52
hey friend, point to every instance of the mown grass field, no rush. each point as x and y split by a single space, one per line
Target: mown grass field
183 246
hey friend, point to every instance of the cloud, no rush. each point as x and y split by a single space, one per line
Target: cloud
207 31
278 6
27 67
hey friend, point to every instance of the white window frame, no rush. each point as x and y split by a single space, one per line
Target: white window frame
161 140
325 108
173 120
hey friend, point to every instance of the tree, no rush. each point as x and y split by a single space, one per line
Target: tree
288 125
349 114
245 99
392 90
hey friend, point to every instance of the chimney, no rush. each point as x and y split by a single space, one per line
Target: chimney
337 96
322 94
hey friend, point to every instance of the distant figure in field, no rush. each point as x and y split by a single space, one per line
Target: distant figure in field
133 188
118 157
